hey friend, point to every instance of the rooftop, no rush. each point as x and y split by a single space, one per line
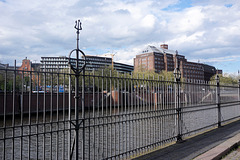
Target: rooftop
153 49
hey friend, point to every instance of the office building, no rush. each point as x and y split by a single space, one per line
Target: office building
163 59
92 62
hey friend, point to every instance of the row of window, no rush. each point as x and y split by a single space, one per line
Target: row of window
193 71
157 66
193 76
158 58
55 62
159 62
54 59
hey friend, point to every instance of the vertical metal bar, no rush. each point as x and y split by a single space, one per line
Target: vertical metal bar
118 112
125 104
238 90
89 119
98 116
4 112
37 116
29 113
144 121
57 118
138 128
102 115
146 127
21 121
69 113
122 116
110 112
94 120
179 135
159 104
128 116
44 112
218 100
77 111
142 115
51 115
106 132
132 118
115 117
131 93
153 112
64 118
164 110
83 116
13 110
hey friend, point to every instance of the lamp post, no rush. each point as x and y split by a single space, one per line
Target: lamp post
177 76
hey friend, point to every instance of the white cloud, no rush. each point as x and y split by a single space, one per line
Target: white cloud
188 20
148 21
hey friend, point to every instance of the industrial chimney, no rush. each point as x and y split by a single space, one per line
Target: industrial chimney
164 46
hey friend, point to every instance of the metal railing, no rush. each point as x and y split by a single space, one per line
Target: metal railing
119 115
104 114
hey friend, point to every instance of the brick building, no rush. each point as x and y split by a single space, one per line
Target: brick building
27 66
159 59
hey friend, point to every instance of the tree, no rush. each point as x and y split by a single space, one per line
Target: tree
225 80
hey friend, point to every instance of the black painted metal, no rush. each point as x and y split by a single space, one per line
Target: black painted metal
77 70
218 100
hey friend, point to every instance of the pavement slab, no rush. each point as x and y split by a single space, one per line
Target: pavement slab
195 146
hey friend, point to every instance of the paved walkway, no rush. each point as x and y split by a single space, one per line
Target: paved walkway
235 154
195 146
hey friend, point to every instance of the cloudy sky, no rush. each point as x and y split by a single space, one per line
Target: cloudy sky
203 30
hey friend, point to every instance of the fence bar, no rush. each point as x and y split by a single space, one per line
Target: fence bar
83 116
37 116
218 100
69 114
4 111
13 110
21 120
44 112
63 117
29 113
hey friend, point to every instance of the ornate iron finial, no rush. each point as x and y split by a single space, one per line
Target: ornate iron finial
77 69
78 25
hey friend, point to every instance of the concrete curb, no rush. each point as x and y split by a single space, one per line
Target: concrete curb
220 150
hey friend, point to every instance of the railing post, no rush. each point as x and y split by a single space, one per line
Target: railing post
218 100
177 75
77 70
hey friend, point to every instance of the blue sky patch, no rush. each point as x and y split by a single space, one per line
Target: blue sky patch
228 5
181 5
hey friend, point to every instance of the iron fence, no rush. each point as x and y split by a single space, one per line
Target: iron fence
118 116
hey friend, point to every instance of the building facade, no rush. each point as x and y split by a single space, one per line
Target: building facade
163 59
28 67
92 63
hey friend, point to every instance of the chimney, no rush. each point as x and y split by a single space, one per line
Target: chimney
164 46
